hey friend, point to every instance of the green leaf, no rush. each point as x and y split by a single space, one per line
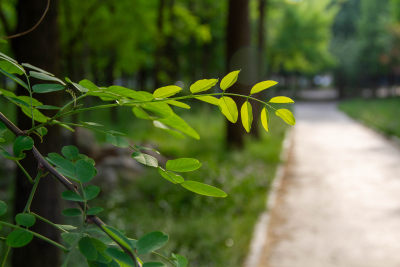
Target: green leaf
15 79
145 159
170 176
47 88
71 238
286 115
48 107
229 80
78 87
203 189
153 264
179 260
91 192
118 141
118 236
129 93
166 91
178 104
11 67
183 165
281 99
246 113
89 85
70 152
102 256
203 85
45 77
72 212
3 207
151 242
25 219
208 99
63 165
141 114
72 196
120 256
228 108
159 109
180 124
85 171
264 118
36 68
21 144
261 86
42 131
94 210
87 248
19 238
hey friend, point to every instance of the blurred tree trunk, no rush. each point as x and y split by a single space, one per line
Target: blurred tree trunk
40 48
238 56
159 43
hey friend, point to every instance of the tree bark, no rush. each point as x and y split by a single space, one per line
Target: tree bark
238 56
39 48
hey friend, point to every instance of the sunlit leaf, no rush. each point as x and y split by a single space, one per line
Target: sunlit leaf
203 85
246 115
178 104
151 242
180 124
45 77
145 159
183 165
229 80
203 189
286 115
208 99
166 91
170 176
228 108
264 118
88 85
281 99
11 67
261 86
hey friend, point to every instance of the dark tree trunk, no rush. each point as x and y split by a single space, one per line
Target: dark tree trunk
238 56
159 43
40 48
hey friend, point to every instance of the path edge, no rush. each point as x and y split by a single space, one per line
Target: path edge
259 237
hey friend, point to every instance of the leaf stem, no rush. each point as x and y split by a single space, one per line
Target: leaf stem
48 222
54 243
33 191
3 263
163 257
24 171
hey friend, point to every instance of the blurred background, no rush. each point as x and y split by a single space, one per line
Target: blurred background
344 50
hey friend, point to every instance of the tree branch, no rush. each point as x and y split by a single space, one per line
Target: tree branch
65 181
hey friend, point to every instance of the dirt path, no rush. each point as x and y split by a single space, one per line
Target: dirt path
339 204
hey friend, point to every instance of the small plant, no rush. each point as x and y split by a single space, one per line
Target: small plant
75 170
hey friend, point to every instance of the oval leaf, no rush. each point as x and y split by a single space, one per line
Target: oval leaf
145 159
281 99
246 113
151 241
3 207
228 108
19 238
118 236
120 256
203 189
70 152
202 85
170 176
178 104
22 143
264 118
208 99
94 210
87 248
91 192
261 86
183 165
45 77
286 115
85 171
47 88
153 264
166 91
25 219
72 196
229 79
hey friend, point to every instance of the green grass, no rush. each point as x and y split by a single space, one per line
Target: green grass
381 114
209 231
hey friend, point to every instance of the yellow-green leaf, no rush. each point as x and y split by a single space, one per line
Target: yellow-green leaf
203 189
166 91
286 115
178 104
209 99
281 100
246 113
202 85
264 118
229 79
261 86
228 108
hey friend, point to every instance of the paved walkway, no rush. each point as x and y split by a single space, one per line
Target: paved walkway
339 204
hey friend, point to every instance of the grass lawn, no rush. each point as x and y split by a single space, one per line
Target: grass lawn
381 114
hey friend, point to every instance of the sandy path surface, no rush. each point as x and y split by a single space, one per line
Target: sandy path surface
339 204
